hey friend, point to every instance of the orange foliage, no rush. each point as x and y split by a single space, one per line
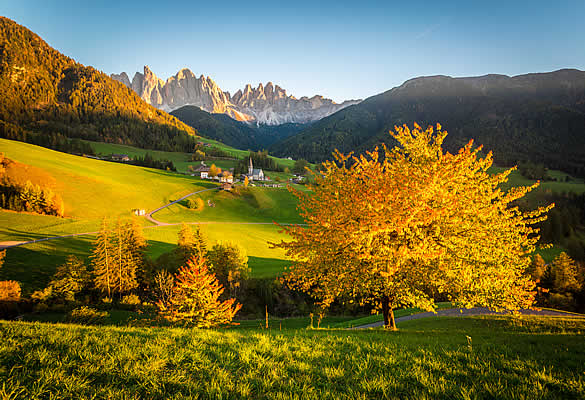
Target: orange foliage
195 298
397 225
9 291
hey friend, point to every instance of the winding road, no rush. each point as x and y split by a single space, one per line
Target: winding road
148 216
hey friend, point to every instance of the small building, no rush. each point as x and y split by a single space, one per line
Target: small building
226 178
120 157
202 170
139 211
226 186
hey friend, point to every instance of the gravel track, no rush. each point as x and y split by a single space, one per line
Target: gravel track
466 312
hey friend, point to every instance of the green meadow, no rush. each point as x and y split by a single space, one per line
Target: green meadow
94 189
180 160
435 358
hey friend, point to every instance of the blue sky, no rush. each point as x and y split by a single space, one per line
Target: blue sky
339 49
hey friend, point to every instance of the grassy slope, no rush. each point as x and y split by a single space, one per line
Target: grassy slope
92 189
525 357
253 205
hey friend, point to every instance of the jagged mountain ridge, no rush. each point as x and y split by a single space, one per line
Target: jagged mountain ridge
269 105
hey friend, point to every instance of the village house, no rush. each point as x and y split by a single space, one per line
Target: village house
226 178
202 170
120 157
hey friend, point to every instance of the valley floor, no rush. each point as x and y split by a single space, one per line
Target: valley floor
433 358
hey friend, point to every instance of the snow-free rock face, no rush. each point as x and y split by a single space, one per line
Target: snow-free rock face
265 104
123 77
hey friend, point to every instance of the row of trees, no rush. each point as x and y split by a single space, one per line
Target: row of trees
184 285
148 161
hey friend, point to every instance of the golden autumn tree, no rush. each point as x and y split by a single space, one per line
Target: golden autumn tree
195 298
395 226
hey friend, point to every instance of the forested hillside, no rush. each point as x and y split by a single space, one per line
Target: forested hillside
48 97
234 133
536 117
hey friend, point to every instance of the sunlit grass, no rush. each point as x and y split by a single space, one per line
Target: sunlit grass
509 358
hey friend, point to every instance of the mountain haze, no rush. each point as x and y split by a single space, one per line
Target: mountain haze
266 104
537 117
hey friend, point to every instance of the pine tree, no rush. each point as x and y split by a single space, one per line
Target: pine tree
137 251
103 260
563 274
195 298
124 264
191 243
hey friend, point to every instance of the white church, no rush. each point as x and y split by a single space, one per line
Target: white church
255 174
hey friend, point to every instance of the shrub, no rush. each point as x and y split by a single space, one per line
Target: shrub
130 301
43 295
87 316
9 291
196 204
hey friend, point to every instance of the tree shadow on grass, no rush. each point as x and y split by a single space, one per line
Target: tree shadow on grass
33 265
262 267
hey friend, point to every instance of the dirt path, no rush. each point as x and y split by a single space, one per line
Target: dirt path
465 312
13 243
156 222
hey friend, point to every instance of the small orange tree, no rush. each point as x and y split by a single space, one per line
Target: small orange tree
195 298
393 227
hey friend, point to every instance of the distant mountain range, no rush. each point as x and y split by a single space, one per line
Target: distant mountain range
269 105
537 117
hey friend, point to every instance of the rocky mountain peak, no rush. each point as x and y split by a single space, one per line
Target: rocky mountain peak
123 77
266 104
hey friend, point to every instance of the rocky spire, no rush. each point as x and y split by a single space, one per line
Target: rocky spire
266 104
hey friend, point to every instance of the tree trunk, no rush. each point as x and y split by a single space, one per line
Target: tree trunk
388 312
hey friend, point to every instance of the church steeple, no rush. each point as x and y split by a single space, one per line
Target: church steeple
250 167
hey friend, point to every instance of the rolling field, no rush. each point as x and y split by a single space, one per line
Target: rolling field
504 357
94 189
120 188
180 160
253 205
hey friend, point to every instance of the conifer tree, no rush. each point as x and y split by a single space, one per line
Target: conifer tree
191 243
195 298
563 274
103 260
137 245
125 266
